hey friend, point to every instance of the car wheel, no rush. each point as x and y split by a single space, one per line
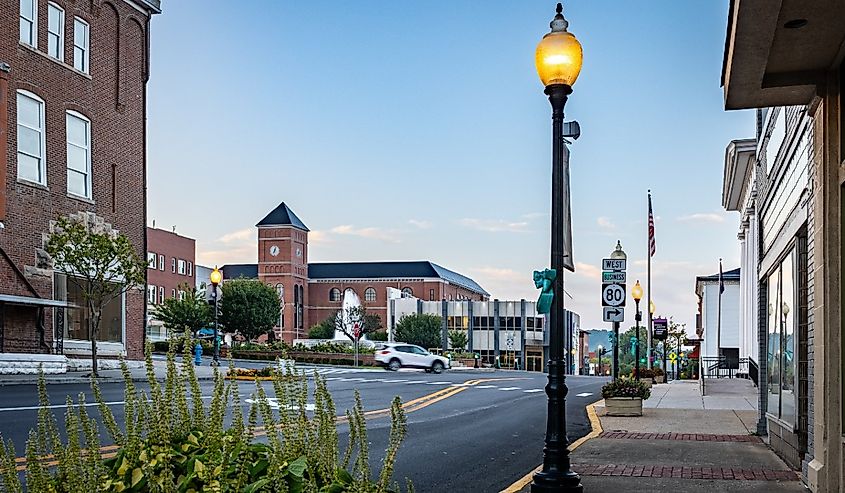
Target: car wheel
437 367
394 365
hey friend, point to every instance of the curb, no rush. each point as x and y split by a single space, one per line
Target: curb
595 424
81 380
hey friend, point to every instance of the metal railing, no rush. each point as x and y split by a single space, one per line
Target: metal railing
722 367
754 372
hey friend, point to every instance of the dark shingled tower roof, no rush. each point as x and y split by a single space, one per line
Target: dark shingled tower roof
282 216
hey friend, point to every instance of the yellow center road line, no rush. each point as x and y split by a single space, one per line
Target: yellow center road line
595 424
108 451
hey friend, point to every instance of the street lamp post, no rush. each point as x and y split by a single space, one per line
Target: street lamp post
558 59
637 294
215 277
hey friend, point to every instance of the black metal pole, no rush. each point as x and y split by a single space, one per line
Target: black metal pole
216 357
557 474
638 316
615 350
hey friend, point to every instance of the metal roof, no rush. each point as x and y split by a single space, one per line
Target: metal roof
378 270
282 216
31 301
235 271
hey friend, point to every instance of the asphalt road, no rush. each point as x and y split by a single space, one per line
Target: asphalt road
481 438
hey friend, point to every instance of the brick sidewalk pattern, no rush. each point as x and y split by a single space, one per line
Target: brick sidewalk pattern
684 472
692 437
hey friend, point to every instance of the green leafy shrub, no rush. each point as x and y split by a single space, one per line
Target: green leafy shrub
658 372
644 373
172 441
379 335
624 387
324 329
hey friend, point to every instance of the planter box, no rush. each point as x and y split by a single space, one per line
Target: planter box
646 381
624 406
660 379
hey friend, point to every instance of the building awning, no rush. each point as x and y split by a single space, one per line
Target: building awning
31 301
777 52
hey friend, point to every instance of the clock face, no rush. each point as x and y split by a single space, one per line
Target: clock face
298 252
274 250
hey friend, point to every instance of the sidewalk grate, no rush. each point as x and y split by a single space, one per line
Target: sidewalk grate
684 472
689 437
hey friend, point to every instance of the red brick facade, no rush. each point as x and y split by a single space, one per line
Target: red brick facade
287 270
112 95
173 265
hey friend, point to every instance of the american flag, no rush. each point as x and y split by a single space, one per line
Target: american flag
652 246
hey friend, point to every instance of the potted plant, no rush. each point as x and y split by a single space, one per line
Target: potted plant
624 397
646 376
659 375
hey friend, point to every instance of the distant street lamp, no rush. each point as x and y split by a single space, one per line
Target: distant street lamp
558 59
637 294
215 277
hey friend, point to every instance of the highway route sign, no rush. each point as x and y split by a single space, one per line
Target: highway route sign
613 295
617 264
614 314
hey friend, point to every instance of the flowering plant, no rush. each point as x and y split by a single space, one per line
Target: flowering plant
625 387
644 373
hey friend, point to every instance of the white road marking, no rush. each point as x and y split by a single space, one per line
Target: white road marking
438 383
584 394
63 406
485 386
460 385
509 388
394 381
531 391
415 381
274 404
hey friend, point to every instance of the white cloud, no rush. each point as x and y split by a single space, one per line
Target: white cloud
534 215
500 274
420 224
371 232
703 217
319 238
587 270
495 225
605 223
238 236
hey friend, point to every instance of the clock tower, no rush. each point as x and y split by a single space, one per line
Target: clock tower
283 264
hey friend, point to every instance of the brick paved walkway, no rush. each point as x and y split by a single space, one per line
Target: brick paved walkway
684 472
691 437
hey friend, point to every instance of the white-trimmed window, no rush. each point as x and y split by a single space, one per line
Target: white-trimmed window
29 22
172 293
190 268
173 265
31 138
406 291
182 266
78 155
151 294
151 260
81 35
180 294
161 294
55 31
370 294
161 262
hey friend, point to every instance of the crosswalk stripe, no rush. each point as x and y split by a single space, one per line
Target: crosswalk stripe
531 391
509 388
438 383
485 387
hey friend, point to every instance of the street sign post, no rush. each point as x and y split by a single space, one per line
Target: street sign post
614 314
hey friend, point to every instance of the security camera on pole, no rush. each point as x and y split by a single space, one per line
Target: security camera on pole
613 274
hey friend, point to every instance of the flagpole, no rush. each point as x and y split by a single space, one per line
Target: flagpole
648 305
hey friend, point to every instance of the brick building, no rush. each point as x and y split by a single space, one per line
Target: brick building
73 80
170 259
311 292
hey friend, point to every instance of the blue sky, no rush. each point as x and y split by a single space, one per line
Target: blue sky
419 130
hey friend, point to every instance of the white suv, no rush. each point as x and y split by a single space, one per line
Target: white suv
395 355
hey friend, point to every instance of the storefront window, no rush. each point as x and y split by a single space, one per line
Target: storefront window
77 316
782 312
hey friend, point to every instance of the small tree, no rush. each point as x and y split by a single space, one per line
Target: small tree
102 263
190 313
324 329
249 307
354 322
458 339
422 329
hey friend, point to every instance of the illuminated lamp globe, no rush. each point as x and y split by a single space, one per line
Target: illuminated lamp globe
637 292
216 276
559 55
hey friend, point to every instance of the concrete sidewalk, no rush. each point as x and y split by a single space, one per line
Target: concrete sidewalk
139 374
683 442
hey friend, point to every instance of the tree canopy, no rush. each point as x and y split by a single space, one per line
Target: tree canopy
249 307
422 329
190 313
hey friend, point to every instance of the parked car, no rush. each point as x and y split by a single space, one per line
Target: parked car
395 355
